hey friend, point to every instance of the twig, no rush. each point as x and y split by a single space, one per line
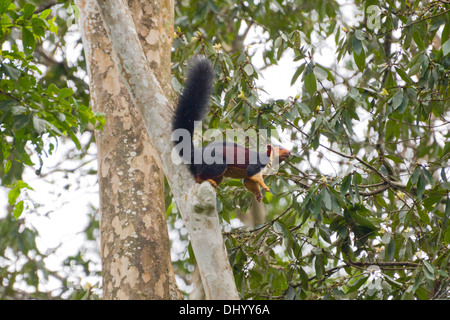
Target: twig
413 23
383 264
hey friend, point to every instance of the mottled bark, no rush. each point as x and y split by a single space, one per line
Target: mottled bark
135 246
196 202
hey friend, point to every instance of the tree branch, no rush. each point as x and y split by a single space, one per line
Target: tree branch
382 264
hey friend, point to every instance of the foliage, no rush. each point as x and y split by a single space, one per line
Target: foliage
30 113
362 210
42 101
23 269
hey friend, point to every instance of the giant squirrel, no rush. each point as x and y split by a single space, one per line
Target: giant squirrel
192 106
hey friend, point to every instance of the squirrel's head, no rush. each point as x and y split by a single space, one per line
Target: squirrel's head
278 152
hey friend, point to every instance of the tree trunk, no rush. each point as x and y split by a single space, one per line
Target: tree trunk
196 202
135 245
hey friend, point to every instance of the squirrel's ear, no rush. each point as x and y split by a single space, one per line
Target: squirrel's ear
269 150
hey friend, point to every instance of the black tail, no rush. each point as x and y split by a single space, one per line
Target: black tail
194 99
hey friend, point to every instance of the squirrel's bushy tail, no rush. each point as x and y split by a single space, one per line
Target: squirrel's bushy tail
194 99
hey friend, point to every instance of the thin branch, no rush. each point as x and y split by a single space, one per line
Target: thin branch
413 23
382 264
46 6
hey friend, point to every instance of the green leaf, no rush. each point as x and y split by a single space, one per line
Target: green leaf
39 125
386 239
355 184
21 121
297 73
28 10
359 35
357 285
430 201
303 108
404 104
390 250
429 176
423 294
14 193
18 110
29 44
421 186
306 200
277 43
11 71
359 220
424 216
7 166
304 279
354 94
337 201
74 139
65 92
246 112
447 207
76 10
394 158
446 47
360 59
414 64
52 26
219 205
414 178
176 85
4 5
443 175
290 293
326 199
418 40
310 83
428 270
403 75
6 105
397 99
18 209
346 184
44 14
357 45
319 266
446 31
248 69
447 235
26 159
39 26
320 73
279 228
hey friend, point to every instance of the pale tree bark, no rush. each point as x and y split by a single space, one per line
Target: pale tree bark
256 215
135 245
196 202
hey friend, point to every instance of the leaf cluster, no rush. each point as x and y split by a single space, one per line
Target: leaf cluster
362 210
32 113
